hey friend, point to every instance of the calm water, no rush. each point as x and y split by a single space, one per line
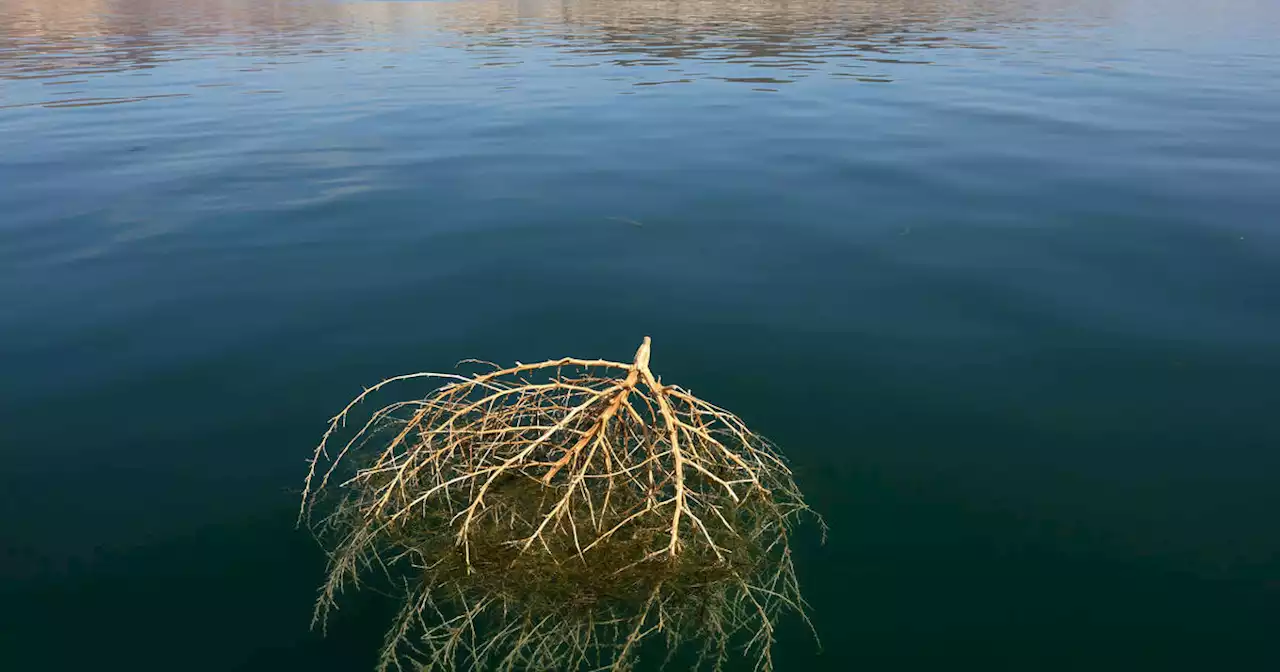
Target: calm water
1001 276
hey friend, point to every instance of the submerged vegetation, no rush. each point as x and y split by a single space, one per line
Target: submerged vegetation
562 515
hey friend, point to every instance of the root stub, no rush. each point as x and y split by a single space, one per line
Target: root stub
558 516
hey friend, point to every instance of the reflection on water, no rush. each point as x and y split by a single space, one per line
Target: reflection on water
47 39
49 43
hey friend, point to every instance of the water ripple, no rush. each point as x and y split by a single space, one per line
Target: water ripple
96 42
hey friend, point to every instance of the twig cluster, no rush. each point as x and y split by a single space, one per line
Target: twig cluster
559 515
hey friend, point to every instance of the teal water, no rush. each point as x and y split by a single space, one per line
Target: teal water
1002 278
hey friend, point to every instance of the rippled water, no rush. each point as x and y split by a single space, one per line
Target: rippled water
1001 276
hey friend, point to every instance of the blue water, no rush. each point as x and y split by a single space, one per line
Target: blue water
1002 278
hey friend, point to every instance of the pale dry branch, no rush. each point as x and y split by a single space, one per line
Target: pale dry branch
558 515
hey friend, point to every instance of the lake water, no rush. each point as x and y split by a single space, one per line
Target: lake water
1002 278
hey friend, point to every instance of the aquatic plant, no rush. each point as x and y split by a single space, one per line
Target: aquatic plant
562 515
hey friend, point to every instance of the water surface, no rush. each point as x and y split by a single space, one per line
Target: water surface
1002 277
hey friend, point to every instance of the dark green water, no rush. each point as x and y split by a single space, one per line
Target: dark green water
1001 276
